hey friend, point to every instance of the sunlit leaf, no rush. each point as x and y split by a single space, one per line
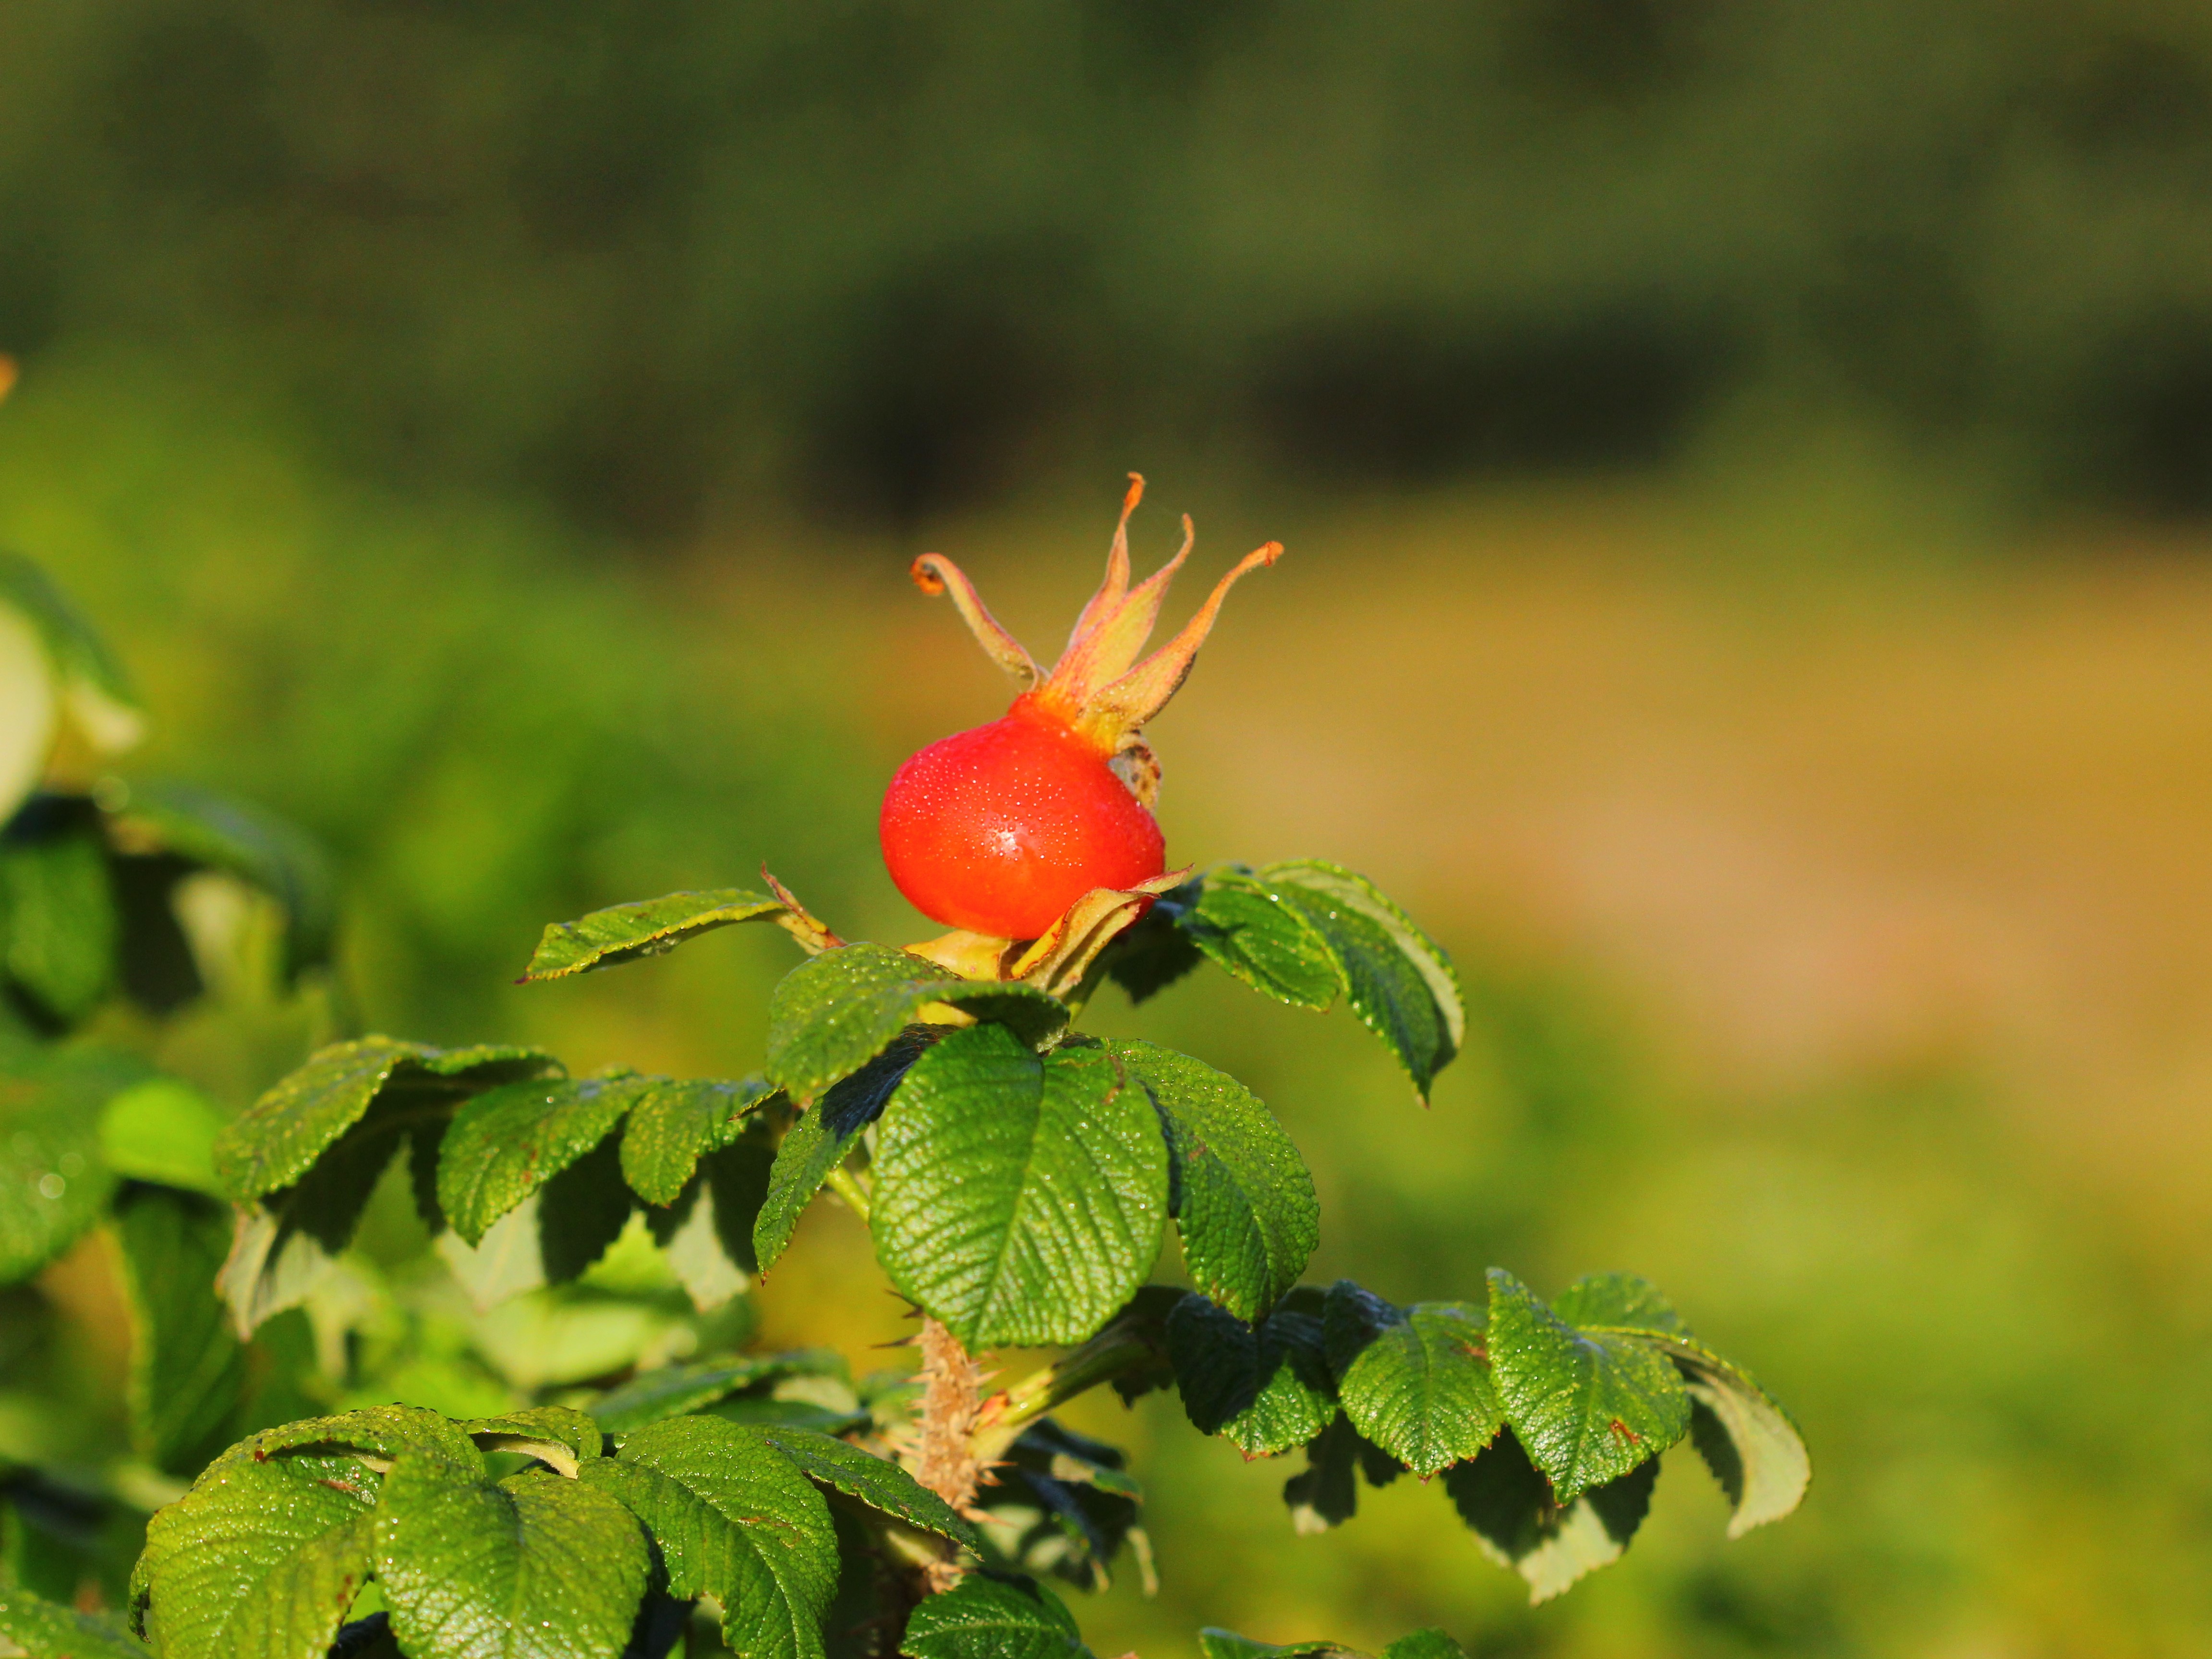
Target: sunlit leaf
1266 1390
510 1141
876 1481
993 1615
649 927
674 1123
1524 1525
1414 1381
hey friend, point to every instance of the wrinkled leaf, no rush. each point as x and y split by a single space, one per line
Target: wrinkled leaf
876 1481
735 1520
820 1139
1246 1209
278 1138
532 1567
541 1432
993 1615
260 1559
1588 1405
1397 979
510 1141
674 1124
1416 1384
1260 940
834 1012
1266 1390
649 927
1019 1197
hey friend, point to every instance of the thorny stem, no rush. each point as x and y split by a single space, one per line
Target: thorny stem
943 1457
846 1185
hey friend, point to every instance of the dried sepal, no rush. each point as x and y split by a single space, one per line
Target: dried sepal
1099 690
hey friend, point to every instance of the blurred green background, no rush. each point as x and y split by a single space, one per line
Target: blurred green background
1743 469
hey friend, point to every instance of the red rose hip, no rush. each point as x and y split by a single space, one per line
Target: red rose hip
998 830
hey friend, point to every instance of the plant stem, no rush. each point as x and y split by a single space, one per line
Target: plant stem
846 1185
1114 1352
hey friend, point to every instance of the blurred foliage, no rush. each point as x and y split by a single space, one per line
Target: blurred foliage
354 333
641 262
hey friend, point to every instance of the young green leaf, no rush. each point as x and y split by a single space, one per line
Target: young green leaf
1397 979
1258 939
993 1615
1588 1405
278 1138
1521 1523
1415 1383
260 1559
32 1626
510 1141
1618 1302
57 919
876 1481
649 927
819 1141
220 834
53 1183
1266 1390
1246 1209
532 1567
672 1125
834 1012
735 1520
1019 1197
678 1390
550 1237
187 1370
380 1434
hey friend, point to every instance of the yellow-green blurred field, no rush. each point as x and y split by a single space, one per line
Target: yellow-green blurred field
1832 882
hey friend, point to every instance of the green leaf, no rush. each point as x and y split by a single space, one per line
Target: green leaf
163 1131
558 1435
1588 1405
677 1390
221 834
879 1483
1065 1504
1398 980
1621 1301
46 1630
1260 940
1417 1385
993 1615
672 1125
1020 1198
1267 1389
1246 1209
509 1141
735 1520
1746 1439
52 1183
649 927
819 1141
278 1138
1430 1643
532 1567
1523 1525
260 1559
379 1433
834 1012
58 923
187 1370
